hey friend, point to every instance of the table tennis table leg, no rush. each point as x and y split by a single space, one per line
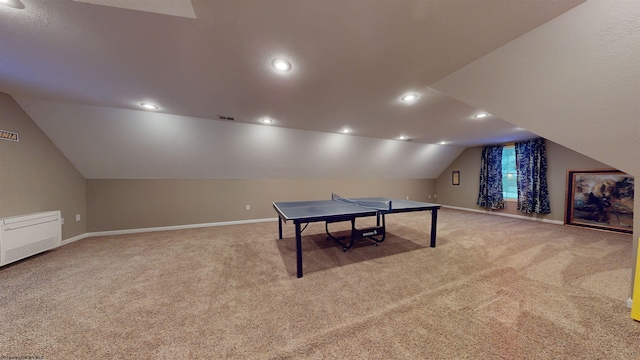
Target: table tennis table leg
298 250
280 226
434 219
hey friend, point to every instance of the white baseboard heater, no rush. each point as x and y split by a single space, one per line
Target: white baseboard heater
27 235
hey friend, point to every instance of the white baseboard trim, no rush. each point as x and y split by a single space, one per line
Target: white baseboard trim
557 222
238 222
74 239
176 227
162 228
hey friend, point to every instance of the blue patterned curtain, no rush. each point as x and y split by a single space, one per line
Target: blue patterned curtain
531 161
490 195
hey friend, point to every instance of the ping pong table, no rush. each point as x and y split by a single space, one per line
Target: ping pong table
340 209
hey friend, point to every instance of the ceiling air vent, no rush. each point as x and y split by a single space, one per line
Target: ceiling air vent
225 117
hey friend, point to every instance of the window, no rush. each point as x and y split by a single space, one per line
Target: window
509 173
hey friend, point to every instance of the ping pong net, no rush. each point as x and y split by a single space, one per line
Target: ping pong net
369 204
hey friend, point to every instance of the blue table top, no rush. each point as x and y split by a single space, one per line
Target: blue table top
319 210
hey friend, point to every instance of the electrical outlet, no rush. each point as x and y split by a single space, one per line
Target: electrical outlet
429 196
407 198
434 196
77 217
248 207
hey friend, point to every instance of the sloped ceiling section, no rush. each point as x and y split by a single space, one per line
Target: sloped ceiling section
167 7
131 144
81 70
574 80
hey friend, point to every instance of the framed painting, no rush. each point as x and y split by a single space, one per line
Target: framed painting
455 177
600 199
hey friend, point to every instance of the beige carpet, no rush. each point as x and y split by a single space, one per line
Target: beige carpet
493 288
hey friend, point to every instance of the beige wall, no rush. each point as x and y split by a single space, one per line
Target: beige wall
132 204
559 160
35 176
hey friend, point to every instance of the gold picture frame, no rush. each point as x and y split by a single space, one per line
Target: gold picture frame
455 177
600 199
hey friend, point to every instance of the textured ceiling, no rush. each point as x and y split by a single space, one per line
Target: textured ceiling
352 61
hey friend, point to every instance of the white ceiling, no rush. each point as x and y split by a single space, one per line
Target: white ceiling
131 144
75 67
166 7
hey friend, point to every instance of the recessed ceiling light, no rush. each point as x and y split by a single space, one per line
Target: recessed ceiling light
442 143
403 138
481 115
149 106
266 121
409 97
346 131
281 64
16 4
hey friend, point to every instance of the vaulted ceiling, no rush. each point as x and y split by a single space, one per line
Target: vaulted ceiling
81 69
